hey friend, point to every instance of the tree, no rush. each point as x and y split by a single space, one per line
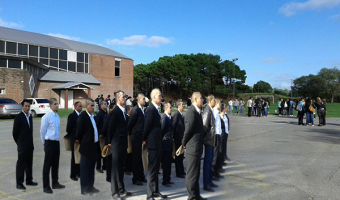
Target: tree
262 87
332 77
310 86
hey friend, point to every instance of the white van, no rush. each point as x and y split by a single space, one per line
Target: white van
39 106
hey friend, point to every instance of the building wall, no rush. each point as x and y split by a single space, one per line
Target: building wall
103 68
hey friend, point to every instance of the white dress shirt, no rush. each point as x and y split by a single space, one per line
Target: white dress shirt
50 127
142 108
94 126
28 118
225 119
78 113
123 110
156 106
218 129
197 109
167 115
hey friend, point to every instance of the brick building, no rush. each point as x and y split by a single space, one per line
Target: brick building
37 65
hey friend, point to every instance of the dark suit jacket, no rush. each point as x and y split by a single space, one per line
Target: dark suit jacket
136 122
23 133
167 130
178 122
152 133
85 135
71 127
117 132
208 126
100 118
193 133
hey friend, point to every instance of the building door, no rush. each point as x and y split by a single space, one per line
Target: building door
62 99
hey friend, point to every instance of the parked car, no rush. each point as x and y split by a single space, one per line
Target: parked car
8 107
39 106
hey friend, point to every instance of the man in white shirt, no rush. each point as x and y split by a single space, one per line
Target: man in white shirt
50 132
250 106
218 130
231 103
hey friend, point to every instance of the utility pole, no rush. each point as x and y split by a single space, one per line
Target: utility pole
291 87
235 59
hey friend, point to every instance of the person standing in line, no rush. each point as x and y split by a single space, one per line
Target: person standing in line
209 124
193 143
167 135
117 134
265 107
236 106
50 132
23 137
259 107
291 107
221 152
71 130
231 103
321 108
216 165
279 107
242 103
97 103
288 107
226 129
309 113
128 160
152 139
301 105
87 136
100 124
178 122
250 106
135 129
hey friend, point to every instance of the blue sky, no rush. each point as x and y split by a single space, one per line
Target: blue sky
274 40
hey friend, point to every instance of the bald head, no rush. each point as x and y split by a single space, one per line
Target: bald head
156 96
196 99
141 99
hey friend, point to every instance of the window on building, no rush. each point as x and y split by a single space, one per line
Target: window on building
2 46
3 62
14 64
80 57
53 53
33 50
22 49
35 59
44 52
87 58
44 61
2 91
11 47
80 67
62 54
72 66
54 63
63 65
117 68
86 68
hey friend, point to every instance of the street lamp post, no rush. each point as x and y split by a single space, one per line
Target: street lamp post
235 59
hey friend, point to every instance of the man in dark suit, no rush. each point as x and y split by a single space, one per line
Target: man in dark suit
135 130
167 135
128 160
87 136
117 134
71 130
100 123
152 138
193 143
178 122
23 137
209 143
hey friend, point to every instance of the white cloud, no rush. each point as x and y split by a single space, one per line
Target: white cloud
140 40
59 35
272 59
10 24
290 9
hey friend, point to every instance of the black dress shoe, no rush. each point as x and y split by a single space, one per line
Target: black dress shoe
166 184
21 186
116 197
124 193
99 170
215 178
158 194
170 182
224 164
74 178
213 185
57 186
217 175
181 176
86 193
32 183
209 189
143 180
93 190
137 183
48 190
184 173
221 170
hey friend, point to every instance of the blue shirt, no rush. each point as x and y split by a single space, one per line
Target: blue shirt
50 127
94 126
225 119
218 129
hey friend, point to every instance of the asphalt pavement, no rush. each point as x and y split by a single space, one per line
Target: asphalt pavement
272 158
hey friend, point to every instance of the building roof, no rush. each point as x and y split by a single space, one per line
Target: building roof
72 85
58 76
51 41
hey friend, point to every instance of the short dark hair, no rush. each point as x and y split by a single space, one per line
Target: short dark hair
76 103
23 102
128 107
112 105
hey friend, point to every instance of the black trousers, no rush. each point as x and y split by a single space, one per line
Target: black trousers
258 112
193 176
301 114
52 154
24 165
128 162
322 117
216 161
249 111
87 165
99 159
179 162
137 162
117 171
154 157
108 167
166 164
75 168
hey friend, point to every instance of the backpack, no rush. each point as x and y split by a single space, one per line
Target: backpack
259 104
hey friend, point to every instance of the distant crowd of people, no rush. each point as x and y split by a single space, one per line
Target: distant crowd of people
308 108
